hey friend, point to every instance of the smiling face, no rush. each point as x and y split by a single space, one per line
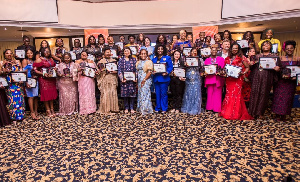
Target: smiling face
110 40
160 50
92 40
126 53
26 41
226 35
217 37
47 52
190 37
8 55
269 34
214 51
176 55
289 50
235 49
161 39
226 45
84 55
107 54
202 36
59 42
29 54
122 39
194 53
174 38
182 34
266 47
101 40
143 54
147 42
67 58
44 43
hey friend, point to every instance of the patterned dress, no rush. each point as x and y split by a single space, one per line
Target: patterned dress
284 92
144 104
128 89
15 97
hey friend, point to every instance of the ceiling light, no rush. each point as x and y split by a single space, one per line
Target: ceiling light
5 28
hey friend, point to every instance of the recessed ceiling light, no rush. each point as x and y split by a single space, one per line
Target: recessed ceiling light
5 28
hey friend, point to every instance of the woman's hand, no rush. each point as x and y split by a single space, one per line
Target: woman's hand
277 68
164 74
27 85
143 83
182 79
123 81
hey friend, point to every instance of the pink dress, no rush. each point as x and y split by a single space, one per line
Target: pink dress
68 91
86 89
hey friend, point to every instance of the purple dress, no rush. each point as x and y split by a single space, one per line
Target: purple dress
284 92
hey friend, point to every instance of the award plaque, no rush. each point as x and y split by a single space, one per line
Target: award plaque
133 50
91 57
113 53
205 51
179 72
120 44
286 73
192 61
19 76
275 48
186 51
32 82
267 62
3 82
210 69
20 53
73 55
89 72
233 71
294 70
243 43
112 66
129 76
52 72
298 79
67 72
159 68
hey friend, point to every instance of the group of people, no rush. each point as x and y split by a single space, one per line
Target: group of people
137 69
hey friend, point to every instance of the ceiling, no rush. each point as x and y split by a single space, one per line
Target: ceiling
12 33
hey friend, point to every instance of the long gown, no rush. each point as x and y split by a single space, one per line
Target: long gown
233 106
4 116
284 92
192 98
128 89
68 90
47 85
144 104
31 92
86 89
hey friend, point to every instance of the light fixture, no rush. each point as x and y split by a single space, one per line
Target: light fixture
5 28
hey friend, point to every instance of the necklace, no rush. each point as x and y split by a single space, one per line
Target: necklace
213 61
290 62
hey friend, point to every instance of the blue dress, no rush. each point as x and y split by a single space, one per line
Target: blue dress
31 92
144 104
192 98
128 89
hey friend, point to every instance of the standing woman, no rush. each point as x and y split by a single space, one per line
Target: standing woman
192 99
47 84
58 50
44 44
262 81
227 35
246 90
269 37
32 93
107 84
144 67
218 40
141 40
285 88
86 85
214 83
162 80
128 88
182 42
177 84
14 91
4 115
92 48
233 106
252 44
68 91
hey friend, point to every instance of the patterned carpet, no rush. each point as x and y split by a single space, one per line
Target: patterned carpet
156 147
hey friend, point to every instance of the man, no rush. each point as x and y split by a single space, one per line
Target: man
77 49
122 39
111 45
225 49
26 45
132 42
201 41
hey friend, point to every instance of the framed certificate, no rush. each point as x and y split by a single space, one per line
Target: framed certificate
205 51
32 82
186 51
210 69
113 53
52 72
233 71
120 44
275 48
20 53
192 61
159 68
91 57
294 70
298 79
179 72
150 50
112 66
267 62
67 72
19 76
286 73
3 82
89 72
129 76
243 43
133 50
73 55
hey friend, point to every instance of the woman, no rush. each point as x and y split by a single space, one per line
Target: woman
246 90
227 35
4 115
162 80
284 89
47 84
92 48
58 50
14 91
177 84
189 37
148 47
214 83
218 40
128 87
44 44
144 68
182 42
262 81
107 84
192 99
269 37
233 106
252 44
174 38
68 91
32 93
86 85
141 40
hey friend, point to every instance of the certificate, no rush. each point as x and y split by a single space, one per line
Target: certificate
32 82
133 50
150 50
243 43
89 72
120 44
275 48
186 51
159 68
210 69
112 66
67 72
267 62
3 82
19 76
192 61
73 55
179 72
113 53
52 72
286 73
298 79
20 53
91 57
205 51
294 70
129 76
233 71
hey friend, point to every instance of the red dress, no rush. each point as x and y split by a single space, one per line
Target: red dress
233 106
47 85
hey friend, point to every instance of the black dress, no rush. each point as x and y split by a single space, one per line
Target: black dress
4 116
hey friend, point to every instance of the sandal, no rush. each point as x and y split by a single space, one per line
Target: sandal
126 111
132 111
48 113
33 116
53 113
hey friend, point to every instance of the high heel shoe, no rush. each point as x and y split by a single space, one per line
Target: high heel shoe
48 112
53 113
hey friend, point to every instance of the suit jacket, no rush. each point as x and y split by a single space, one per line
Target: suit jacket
158 77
